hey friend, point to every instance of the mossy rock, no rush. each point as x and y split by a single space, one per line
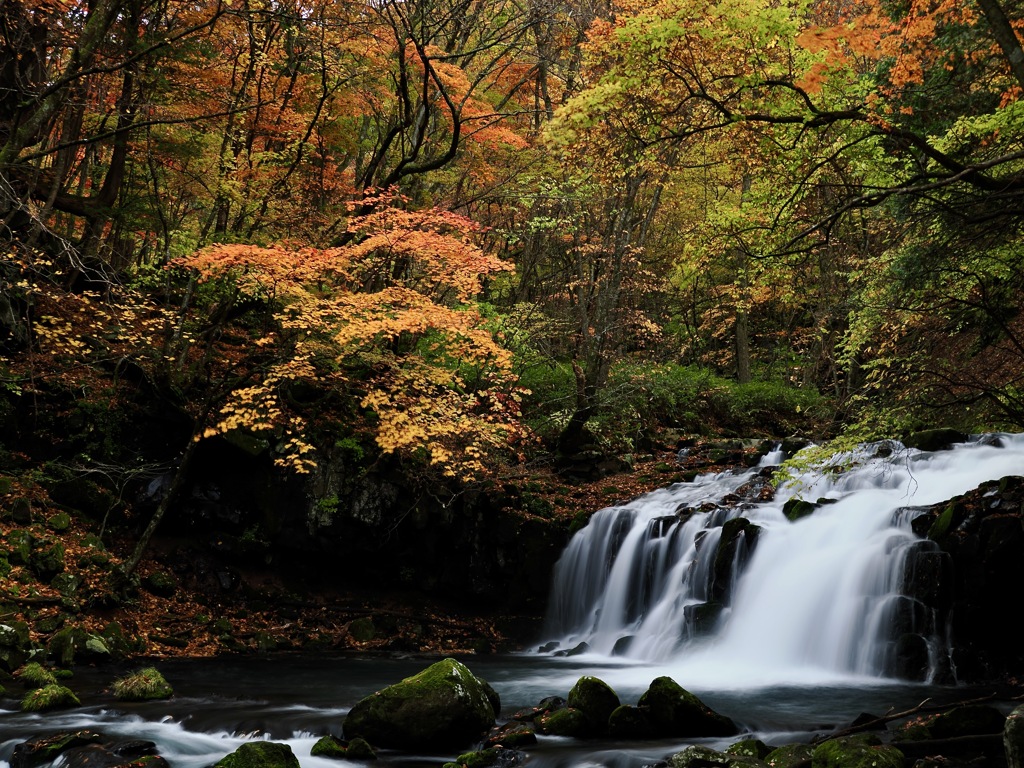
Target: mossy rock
479 759
790 756
160 583
47 561
362 630
566 722
934 439
46 749
628 722
794 509
260 754
59 523
699 756
674 711
511 735
360 749
443 706
329 746
750 748
145 685
595 699
861 751
20 544
53 696
73 643
35 675
15 645
119 644
948 520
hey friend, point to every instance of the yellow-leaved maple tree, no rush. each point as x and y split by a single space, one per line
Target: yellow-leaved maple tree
388 319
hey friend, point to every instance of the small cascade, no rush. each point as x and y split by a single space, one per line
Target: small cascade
704 573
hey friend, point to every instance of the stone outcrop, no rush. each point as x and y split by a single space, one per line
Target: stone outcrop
444 706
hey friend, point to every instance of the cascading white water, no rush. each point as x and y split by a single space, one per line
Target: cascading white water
817 598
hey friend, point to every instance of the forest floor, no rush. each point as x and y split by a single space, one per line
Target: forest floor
261 612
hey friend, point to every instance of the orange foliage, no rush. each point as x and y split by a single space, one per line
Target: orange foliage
439 388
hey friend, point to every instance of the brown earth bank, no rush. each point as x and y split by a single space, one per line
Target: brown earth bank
383 570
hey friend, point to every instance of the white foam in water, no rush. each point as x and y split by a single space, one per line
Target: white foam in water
811 606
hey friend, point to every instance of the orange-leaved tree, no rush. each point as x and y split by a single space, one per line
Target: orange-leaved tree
388 321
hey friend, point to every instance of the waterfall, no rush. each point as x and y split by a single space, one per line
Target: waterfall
705 575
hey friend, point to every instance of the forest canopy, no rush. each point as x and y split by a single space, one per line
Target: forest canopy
460 234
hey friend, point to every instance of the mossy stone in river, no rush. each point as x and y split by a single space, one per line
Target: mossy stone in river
862 751
595 699
260 754
674 711
145 685
750 748
35 675
698 756
46 749
443 706
628 722
329 746
53 696
335 748
565 722
790 756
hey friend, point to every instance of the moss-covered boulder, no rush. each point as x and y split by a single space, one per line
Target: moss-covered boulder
1013 738
145 685
329 746
795 509
47 559
15 645
46 749
160 583
790 756
73 644
628 722
674 711
511 735
35 675
260 754
479 759
337 749
750 748
699 756
565 722
934 439
53 696
596 700
443 706
861 751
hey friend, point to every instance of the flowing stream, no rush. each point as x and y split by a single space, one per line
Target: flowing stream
788 632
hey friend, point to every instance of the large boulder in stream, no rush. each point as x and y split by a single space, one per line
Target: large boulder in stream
445 706
861 751
674 711
699 756
596 700
260 754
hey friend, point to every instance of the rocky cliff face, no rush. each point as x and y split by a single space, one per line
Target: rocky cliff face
974 574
